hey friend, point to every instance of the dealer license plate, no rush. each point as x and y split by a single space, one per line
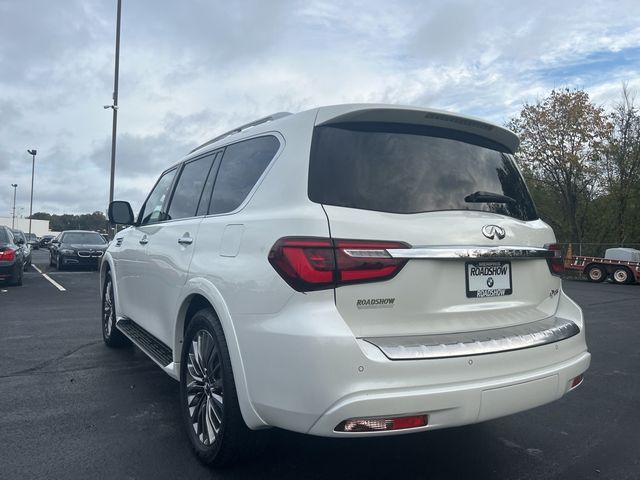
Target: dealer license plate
488 279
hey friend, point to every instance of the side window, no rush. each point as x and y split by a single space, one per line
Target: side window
242 164
152 211
188 191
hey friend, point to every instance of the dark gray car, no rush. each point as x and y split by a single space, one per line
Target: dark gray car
11 257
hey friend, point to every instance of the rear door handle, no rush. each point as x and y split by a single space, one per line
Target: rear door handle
144 240
186 240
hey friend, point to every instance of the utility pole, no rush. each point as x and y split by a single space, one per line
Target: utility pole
13 215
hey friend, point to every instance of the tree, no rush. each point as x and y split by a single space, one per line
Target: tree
41 216
622 161
562 141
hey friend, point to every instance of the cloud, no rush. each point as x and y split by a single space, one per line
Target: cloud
191 70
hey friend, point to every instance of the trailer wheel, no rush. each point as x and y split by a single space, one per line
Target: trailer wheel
622 275
596 273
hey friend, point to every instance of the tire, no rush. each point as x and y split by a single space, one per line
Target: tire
51 264
59 263
112 337
622 276
596 273
18 278
208 397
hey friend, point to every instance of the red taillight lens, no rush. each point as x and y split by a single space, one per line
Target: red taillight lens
317 263
556 263
7 255
362 261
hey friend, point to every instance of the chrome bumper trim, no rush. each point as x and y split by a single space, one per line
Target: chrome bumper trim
472 252
517 337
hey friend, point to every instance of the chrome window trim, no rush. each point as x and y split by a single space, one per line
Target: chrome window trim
471 252
516 337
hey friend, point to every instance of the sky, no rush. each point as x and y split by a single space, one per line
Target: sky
192 69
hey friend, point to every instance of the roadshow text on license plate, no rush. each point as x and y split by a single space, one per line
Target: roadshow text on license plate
488 279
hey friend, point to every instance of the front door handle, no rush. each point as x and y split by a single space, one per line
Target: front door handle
144 240
186 240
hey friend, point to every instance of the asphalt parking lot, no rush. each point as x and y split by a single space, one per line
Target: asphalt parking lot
72 408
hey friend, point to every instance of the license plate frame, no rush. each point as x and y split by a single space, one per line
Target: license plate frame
494 275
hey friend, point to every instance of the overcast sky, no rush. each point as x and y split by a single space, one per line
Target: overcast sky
191 69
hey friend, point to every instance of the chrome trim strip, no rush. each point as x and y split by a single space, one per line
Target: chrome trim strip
380 253
517 337
472 252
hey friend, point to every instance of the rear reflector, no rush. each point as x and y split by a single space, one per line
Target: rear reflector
308 263
576 381
382 424
556 263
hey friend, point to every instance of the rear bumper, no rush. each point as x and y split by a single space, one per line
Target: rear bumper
306 372
456 404
8 270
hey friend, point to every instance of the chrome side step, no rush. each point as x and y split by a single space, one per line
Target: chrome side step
517 337
158 351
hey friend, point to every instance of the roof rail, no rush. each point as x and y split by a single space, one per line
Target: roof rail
270 118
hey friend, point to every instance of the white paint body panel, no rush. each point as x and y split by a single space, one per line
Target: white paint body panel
297 358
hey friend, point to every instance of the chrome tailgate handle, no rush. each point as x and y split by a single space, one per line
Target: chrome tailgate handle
472 252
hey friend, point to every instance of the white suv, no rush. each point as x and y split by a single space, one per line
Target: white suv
346 271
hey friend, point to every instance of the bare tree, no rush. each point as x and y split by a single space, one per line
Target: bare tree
562 141
622 159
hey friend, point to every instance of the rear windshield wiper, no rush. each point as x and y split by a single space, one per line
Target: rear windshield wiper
488 197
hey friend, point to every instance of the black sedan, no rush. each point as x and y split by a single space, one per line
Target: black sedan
11 257
77 248
45 240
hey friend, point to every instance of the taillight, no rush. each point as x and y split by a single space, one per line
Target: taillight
556 263
308 263
7 255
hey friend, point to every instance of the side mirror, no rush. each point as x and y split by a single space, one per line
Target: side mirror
120 213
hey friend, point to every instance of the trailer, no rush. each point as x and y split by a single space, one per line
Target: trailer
621 265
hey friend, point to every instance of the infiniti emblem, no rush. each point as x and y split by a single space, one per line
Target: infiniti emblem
492 231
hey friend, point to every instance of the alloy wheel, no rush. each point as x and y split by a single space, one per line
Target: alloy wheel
205 394
108 311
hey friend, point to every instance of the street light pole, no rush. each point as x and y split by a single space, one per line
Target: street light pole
13 215
33 168
114 107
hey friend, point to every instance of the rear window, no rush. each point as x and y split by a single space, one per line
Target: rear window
4 237
399 168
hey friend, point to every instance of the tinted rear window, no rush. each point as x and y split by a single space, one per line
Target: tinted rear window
408 169
4 238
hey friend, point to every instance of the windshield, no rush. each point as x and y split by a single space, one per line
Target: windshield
410 169
87 238
19 235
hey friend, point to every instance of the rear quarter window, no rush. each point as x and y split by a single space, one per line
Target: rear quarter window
407 169
242 165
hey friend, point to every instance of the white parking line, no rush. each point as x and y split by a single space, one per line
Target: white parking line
53 282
